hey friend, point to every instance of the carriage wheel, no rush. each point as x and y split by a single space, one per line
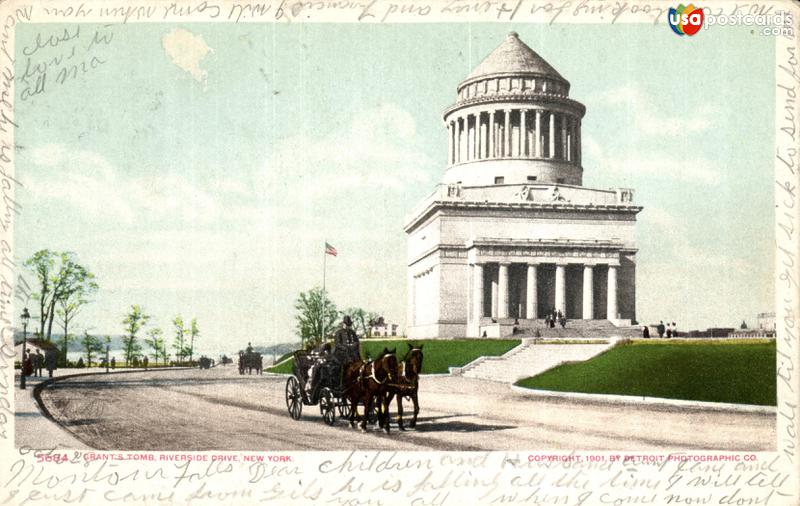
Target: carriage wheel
327 406
294 398
344 408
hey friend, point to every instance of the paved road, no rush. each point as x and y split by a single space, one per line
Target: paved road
219 410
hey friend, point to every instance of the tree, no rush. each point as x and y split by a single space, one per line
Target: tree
316 316
42 264
194 331
134 321
62 281
156 343
91 345
179 343
362 320
70 305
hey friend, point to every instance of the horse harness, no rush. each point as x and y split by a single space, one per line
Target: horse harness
372 375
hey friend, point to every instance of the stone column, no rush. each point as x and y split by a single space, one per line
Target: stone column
563 129
561 292
470 140
612 292
494 297
538 139
552 145
507 134
479 137
458 140
569 139
491 134
502 299
477 293
531 302
523 133
578 142
449 143
588 293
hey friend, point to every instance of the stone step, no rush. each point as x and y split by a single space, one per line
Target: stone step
530 359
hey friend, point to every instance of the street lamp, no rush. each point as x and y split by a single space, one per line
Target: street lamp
25 317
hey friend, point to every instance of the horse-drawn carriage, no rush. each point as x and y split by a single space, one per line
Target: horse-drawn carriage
250 360
327 391
319 379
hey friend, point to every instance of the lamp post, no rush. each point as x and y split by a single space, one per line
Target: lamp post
25 317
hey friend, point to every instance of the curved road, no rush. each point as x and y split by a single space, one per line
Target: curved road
218 409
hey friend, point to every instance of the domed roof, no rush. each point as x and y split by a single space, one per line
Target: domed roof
513 57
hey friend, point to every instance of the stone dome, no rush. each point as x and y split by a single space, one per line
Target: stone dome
513 57
514 123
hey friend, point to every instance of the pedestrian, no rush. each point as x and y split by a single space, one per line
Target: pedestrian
50 360
38 363
563 322
146 360
674 330
27 365
113 362
553 321
646 332
669 331
660 329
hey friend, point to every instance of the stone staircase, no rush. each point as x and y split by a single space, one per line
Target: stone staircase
585 329
533 357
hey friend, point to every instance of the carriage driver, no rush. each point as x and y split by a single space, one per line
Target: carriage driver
346 350
346 345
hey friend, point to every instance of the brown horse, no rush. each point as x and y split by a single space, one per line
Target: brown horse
407 385
367 382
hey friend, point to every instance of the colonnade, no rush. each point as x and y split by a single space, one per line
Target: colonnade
513 133
500 307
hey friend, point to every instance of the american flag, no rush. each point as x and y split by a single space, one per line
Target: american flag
330 250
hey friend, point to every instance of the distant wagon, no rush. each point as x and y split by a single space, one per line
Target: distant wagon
250 361
206 363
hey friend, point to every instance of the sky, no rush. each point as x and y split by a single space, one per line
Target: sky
198 169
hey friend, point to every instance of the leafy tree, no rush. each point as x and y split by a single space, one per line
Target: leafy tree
42 263
316 316
362 320
63 283
156 342
91 345
134 321
179 343
69 306
194 331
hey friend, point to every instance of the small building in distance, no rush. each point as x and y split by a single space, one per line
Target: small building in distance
381 328
765 327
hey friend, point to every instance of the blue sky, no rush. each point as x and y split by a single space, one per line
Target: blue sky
200 167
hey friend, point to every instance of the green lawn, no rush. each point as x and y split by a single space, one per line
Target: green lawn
741 372
438 354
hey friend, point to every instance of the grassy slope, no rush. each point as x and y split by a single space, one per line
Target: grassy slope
438 354
735 372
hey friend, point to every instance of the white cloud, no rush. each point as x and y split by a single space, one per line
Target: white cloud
376 151
649 116
672 243
101 190
685 167
187 50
